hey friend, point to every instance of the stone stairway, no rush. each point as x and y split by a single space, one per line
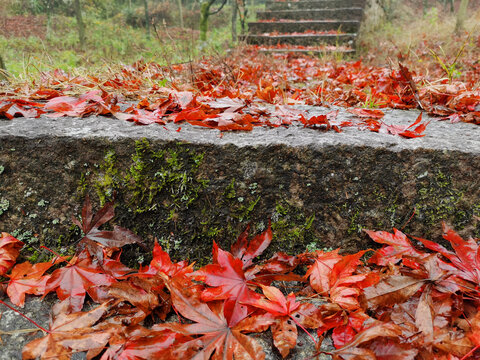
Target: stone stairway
307 26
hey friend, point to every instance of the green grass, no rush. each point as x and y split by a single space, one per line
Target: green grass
109 42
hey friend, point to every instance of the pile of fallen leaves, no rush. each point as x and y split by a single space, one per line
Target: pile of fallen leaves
248 89
402 302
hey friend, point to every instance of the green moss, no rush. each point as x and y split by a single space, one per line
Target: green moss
292 228
354 227
169 175
438 200
107 178
4 205
230 192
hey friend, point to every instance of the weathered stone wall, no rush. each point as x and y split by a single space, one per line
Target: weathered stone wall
192 187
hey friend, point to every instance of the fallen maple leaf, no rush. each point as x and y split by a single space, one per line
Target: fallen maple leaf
87 104
9 251
288 313
137 342
228 281
398 247
411 131
11 108
79 277
353 349
70 333
332 275
465 261
220 331
367 113
93 235
247 251
392 290
26 278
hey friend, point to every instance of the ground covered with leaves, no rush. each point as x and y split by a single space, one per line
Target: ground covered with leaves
248 88
402 301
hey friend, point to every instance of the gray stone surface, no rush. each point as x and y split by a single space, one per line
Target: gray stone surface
348 26
348 180
440 135
318 188
347 13
16 332
303 40
318 4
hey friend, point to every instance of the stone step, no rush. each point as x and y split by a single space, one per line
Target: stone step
315 51
313 14
347 26
318 4
318 188
302 39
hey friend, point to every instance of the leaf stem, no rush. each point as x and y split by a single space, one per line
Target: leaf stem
50 250
24 316
301 327
470 352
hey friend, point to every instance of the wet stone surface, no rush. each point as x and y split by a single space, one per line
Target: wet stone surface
320 189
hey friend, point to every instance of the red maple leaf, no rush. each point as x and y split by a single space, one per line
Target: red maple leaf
27 279
219 330
367 113
398 247
288 314
227 280
9 251
137 342
70 333
93 236
332 275
11 108
413 130
79 277
90 103
464 261
248 250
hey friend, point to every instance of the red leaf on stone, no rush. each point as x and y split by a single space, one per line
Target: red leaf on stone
398 246
367 113
90 103
93 235
11 108
247 251
411 131
465 259
288 313
227 280
27 279
70 333
219 328
74 281
9 251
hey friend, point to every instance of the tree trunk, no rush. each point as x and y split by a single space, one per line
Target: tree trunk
204 14
80 23
234 20
180 9
425 6
242 12
49 18
3 69
147 18
449 2
461 15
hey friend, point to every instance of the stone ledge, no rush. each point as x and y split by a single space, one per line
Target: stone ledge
320 189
